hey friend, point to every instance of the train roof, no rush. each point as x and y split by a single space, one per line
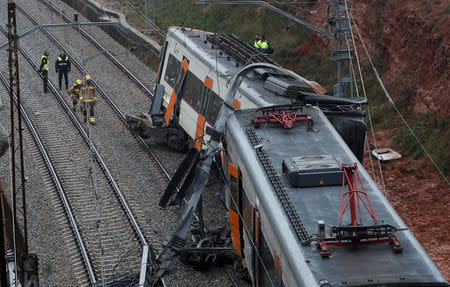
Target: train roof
226 54
312 203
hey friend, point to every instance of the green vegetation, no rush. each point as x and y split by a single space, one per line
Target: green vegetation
245 21
434 133
293 49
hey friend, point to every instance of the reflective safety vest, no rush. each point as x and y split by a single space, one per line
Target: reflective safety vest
89 94
264 45
45 66
74 91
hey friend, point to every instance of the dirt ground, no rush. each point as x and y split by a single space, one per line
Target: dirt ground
421 197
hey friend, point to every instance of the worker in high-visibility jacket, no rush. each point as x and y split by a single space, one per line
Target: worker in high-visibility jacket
257 43
264 44
43 69
88 99
74 93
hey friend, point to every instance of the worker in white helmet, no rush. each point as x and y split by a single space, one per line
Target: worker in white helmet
88 99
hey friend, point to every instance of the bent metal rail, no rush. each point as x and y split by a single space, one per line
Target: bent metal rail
103 167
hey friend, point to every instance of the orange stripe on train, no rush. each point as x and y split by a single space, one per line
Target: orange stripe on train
168 114
235 234
199 132
232 170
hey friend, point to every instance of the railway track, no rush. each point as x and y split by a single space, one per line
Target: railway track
109 240
108 54
82 71
113 113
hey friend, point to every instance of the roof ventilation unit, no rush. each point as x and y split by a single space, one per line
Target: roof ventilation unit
312 170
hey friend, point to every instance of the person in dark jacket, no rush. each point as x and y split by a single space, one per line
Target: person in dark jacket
62 66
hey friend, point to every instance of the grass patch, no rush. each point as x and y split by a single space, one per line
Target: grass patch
433 132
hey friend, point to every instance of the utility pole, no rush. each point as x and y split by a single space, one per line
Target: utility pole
344 87
28 262
339 19
3 266
152 7
146 15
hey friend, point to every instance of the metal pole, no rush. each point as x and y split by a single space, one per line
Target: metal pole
340 90
153 11
11 54
3 281
146 15
14 40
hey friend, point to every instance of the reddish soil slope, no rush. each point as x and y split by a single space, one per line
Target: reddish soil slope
421 197
411 39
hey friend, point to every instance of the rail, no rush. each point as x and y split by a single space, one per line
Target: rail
96 155
57 183
130 75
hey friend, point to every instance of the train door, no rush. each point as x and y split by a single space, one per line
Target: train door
175 99
267 266
202 113
161 64
235 208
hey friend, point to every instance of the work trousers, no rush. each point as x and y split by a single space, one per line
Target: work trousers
84 107
74 101
45 80
60 76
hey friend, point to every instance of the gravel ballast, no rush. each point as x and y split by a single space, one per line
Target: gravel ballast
135 172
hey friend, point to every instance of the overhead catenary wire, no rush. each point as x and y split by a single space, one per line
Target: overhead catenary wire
231 196
92 173
368 112
368 107
386 94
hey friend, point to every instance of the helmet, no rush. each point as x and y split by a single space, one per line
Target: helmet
78 82
88 77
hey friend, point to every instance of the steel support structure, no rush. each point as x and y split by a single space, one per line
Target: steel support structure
3 247
340 19
30 273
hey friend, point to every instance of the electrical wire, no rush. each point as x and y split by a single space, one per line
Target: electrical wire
368 107
386 94
92 173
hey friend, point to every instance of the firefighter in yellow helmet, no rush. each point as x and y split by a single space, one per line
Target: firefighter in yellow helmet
74 93
88 99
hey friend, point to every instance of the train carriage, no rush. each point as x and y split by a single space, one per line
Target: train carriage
273 251
292 163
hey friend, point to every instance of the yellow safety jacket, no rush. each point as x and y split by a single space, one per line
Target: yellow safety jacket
264 45
74 92
45 66
89 94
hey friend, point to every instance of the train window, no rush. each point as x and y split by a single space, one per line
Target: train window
268 274
268 268
234 192
213 108
206 96
192 90
161 65
172 70
247 214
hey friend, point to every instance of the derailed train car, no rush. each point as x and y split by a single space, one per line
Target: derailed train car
292 164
